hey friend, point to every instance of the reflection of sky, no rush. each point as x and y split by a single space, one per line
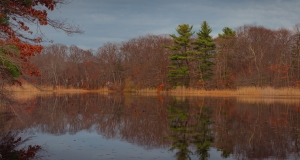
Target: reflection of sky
91 146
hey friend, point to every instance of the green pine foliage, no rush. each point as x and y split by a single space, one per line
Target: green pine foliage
7 64
204 46
4 20
191 56
227 32
179 70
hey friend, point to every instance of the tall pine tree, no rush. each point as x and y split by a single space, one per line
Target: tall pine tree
204 46
179 70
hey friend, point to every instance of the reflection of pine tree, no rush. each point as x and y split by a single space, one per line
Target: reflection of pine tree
185 132
178 116
203 137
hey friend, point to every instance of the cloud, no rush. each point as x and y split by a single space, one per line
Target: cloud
117 21
99 18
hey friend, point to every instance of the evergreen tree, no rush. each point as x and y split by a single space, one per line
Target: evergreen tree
204 46
9 66
227 33
179 70
226 43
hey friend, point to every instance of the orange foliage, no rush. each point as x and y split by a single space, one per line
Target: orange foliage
279 68
14 14
160 87
15 18
29 153
226 80
23 154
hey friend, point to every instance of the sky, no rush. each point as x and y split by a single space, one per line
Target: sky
117 21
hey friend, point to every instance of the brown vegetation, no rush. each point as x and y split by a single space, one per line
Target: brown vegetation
254 57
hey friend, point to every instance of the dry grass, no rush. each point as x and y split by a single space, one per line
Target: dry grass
147 90
28 91
182 91
243 91
268 91
266 95
24 88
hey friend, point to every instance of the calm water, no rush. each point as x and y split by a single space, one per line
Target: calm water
94 126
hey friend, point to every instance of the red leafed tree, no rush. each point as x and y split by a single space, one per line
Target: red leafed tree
18 42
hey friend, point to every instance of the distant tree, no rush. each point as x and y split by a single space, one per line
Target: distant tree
225 46
145 61
227 32
296 50
204 46
179 70
256 49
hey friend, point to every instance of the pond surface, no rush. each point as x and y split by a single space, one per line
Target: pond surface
95 126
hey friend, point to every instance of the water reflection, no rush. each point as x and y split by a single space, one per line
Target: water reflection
187 128
190 127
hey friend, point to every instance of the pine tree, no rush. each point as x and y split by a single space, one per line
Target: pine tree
204 46
179 70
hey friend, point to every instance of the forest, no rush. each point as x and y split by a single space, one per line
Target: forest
249 55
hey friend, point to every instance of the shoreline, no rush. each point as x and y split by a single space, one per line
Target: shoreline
31 90
251 95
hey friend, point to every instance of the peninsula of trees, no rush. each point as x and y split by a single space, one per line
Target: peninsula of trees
247 56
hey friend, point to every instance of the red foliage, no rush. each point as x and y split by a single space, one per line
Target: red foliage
160 87
278 68
29 153
13 15
9 143
16 16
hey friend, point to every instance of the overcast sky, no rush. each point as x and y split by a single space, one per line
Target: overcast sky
121 20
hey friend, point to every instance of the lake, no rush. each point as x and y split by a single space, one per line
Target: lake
117 126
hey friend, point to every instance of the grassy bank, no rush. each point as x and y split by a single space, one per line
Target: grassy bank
28 91
249 91
31 90
242 91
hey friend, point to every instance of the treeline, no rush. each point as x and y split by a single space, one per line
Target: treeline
138 63
247 56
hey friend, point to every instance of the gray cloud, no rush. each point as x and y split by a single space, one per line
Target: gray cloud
117 21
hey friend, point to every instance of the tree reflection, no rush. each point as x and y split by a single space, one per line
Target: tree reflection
203 137
242 130
190 126
178 117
